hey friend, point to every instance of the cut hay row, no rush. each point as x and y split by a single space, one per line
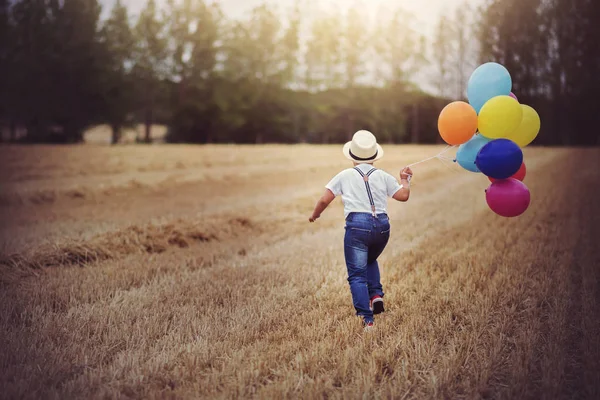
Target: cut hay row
150 239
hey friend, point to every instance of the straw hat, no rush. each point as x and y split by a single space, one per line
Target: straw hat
363 148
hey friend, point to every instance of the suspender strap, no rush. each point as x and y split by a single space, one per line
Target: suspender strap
369 193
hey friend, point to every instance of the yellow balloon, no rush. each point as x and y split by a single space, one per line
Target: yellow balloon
500 117
529 128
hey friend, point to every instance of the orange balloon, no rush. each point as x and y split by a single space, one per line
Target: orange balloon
520 175
457 123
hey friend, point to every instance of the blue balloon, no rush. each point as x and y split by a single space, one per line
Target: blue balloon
500 159
467 152
488 81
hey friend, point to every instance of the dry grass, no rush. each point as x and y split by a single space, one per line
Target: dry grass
204 279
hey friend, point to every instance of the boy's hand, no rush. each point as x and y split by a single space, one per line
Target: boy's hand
322 204
406 173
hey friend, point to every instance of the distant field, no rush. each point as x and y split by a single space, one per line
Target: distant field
192 272
102 134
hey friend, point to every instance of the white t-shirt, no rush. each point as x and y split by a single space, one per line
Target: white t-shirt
351 186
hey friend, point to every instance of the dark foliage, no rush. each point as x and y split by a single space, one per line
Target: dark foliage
552 49
215 80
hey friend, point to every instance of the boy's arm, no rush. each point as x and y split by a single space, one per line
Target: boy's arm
322 204
404 193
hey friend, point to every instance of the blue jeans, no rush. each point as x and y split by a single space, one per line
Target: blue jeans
366 237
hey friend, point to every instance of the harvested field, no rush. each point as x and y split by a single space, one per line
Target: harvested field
192 272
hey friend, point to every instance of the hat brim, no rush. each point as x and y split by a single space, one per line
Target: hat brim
346 151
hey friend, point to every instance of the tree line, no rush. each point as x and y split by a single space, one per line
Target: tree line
552 49
283 76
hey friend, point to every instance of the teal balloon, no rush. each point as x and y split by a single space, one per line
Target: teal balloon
488 81
467 152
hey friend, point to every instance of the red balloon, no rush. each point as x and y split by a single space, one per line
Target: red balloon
520 175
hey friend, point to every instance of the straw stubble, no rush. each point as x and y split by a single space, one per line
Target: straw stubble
207 281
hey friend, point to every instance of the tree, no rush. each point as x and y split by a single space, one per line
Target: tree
398 47
517 35
150 62
462 37
195 29
77 68
252 48
55 68
551 49
119 42
442 49
324 72
290 47
5 65
30 86
354 46
324 53
399 50
574 61
254 60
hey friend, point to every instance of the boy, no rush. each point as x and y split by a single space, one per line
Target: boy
364 190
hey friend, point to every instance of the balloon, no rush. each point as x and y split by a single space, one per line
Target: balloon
514 96
500 159
508 197
520 175
457 123
500 117
528 129
488 81
467 152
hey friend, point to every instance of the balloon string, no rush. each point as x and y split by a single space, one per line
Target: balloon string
448 164
432 158
422 161
446 158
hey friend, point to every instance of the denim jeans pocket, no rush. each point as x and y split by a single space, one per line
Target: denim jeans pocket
358 229
385 229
